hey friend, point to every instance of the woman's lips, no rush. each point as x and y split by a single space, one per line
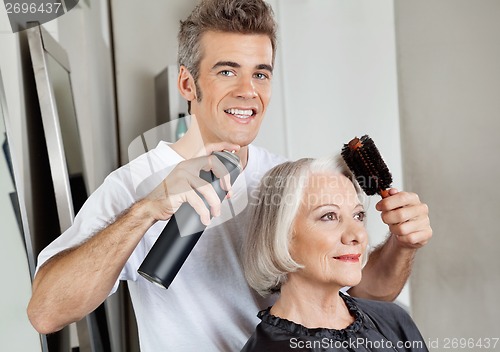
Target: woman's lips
349 258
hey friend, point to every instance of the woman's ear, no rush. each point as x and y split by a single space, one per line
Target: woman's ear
186 85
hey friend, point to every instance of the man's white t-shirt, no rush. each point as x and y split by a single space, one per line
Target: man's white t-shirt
209 306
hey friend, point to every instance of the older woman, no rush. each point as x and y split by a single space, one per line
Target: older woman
307 242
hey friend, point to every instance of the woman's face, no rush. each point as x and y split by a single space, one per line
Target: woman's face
329 236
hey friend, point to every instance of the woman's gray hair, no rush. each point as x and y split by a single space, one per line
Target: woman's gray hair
266 256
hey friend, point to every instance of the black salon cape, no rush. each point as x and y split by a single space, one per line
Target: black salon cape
378 326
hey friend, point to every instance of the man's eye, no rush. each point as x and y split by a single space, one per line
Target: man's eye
329 217
261 76
226 73
360 216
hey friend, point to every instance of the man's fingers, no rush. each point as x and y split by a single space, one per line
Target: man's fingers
199 206
208 193
397 200
410 226
186 185
406 213
415 239
219 170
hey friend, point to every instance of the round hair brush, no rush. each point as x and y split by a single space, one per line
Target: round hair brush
363 158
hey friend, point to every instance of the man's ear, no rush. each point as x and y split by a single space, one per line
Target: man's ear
186 85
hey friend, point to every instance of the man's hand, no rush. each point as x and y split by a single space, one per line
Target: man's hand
184 184
389 265
407 218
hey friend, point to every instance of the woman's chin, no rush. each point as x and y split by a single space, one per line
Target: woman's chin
351 281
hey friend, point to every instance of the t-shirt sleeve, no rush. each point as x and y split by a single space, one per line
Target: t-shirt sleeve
100 209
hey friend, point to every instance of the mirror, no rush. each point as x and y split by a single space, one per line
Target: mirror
61 84
16 253
53 85
51 68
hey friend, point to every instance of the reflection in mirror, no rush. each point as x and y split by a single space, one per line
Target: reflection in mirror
53 85
16 254
61 85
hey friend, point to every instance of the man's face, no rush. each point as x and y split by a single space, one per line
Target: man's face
234 86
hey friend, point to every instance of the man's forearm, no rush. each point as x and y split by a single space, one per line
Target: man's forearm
386 272
75 282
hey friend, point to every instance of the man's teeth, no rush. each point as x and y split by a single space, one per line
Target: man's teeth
243 114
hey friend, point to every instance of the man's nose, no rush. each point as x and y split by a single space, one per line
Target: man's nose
246 88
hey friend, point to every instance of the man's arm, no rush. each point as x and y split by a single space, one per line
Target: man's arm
73 283
389 265
76 281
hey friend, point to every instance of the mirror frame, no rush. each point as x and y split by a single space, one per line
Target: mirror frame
40 44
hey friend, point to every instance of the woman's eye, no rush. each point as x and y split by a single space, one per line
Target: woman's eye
329 217
360 216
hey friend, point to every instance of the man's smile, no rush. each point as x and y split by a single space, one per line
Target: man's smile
241 113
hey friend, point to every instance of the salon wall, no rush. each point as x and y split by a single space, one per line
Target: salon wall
449 79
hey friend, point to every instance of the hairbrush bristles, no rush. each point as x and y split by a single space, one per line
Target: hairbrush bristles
363 158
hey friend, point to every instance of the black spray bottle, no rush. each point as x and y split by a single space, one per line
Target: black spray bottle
183 230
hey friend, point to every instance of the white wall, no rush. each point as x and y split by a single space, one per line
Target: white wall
449 69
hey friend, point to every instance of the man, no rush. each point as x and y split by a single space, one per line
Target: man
226 59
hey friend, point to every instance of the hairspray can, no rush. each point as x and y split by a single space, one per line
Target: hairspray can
183 230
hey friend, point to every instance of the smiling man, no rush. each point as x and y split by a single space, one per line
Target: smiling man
226 59
229 99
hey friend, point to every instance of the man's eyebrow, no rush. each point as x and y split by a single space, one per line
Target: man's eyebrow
265 67
226 63
237 65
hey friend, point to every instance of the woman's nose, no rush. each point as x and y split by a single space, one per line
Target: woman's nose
354 232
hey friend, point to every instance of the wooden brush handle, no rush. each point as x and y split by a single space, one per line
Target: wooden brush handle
384 193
